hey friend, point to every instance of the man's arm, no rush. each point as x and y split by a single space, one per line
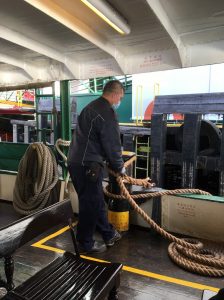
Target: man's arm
111 144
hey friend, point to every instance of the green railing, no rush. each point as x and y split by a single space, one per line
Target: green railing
95 85
86 91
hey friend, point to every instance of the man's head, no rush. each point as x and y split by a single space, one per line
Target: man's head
113 91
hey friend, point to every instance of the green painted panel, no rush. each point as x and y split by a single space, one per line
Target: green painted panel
124 112
83 100
10 155
203 197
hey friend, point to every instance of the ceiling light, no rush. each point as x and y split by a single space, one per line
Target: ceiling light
109 15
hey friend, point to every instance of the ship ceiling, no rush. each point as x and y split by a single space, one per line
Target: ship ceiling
47 40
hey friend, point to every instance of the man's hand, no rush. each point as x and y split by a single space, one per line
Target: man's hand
123 171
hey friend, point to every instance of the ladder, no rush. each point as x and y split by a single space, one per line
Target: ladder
142 150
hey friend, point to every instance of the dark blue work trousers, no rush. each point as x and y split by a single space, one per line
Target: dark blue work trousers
92 212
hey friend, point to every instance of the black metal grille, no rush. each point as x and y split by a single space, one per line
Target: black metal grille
66 278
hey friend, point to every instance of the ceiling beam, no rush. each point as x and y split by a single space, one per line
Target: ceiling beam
29 69
169 27
27 86
28 43
58 13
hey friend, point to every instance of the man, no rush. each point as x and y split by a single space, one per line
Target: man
96 140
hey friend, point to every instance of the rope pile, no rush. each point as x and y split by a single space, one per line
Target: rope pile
187 253
37 176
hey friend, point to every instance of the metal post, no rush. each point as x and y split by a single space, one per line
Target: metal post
54 118
65 115
65 110
158 146
38 117
26 134
191 134
221 170
14 133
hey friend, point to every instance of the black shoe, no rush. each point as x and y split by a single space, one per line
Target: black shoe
98 247
114 239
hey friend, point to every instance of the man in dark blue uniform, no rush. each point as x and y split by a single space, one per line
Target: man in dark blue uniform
96 140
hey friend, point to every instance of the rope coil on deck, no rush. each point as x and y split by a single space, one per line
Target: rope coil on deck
187 253
37 176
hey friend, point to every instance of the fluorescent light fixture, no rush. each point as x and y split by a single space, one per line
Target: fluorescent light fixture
109 15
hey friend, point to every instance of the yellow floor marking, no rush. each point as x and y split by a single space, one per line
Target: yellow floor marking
170 279
40 244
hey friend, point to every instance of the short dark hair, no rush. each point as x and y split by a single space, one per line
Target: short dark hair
113 86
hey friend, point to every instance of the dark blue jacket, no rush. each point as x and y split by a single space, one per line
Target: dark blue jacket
97 137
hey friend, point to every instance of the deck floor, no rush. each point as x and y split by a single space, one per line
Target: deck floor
149 273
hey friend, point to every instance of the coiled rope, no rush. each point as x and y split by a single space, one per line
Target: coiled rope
187 253
37 176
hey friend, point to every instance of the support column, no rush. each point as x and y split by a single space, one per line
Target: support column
158 148
221 168
191 134
65 116
26 134
15 139
65 110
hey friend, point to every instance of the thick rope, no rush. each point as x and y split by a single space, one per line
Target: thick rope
60 143
187 253
37 176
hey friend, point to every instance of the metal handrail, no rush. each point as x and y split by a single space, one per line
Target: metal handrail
95 85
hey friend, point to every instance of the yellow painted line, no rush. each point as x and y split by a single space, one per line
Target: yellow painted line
15 103
131 124
160 277
45 247
170 279
95 259
40 244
